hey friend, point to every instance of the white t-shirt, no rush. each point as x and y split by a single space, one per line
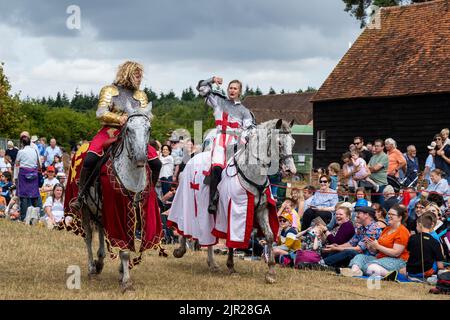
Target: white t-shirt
167 166
51 183
57 208
3 165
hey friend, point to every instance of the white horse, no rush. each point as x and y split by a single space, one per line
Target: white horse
270 144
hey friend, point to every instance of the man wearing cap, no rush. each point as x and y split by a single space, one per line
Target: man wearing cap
233 123
26 175
11 151
340 255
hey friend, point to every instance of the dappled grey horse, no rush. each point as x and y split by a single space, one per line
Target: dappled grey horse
128 157
268 150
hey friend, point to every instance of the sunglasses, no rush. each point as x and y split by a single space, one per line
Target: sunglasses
357 143
324 181
437 139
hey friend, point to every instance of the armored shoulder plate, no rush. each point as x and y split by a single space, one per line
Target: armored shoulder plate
106 95
141 96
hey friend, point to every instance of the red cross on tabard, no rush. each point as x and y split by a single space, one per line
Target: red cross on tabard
224 124
195 186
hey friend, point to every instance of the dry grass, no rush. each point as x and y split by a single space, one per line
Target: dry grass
34 263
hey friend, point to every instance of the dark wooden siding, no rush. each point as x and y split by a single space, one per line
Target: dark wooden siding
408 120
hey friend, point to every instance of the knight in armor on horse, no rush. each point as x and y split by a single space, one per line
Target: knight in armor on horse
233 122
116 102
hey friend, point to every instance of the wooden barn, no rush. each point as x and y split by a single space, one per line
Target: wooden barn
393 82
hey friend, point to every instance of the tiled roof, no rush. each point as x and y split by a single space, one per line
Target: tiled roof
408 55
288 106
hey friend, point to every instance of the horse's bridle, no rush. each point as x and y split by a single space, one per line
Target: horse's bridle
122 138
262 187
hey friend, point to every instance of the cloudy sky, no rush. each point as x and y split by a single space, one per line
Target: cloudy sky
286 44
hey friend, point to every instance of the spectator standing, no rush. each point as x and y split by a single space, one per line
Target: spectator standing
333 170
27 163
42 145
378 166
396 159
176 153
429 163
11 151
444 134
412 165
363 151
442 158
58 164
51 151
167 168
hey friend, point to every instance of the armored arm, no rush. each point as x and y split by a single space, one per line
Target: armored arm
104 104
212 96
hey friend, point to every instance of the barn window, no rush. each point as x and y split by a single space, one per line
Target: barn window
321 139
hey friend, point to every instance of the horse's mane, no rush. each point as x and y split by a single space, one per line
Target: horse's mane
270 124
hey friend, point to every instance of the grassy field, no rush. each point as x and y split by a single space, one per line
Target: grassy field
34 263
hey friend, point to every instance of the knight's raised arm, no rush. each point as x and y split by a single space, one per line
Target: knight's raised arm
204 87
104 113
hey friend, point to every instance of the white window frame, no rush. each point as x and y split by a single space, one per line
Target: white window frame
321 140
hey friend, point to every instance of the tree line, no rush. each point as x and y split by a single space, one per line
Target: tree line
71 120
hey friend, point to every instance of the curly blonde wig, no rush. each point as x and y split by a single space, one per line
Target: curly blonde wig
126 75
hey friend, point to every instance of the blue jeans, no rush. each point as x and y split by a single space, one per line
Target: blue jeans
340 259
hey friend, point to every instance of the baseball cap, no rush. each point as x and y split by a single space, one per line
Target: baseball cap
50 169
174 138
34 138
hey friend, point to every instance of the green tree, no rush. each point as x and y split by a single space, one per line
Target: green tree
272 91
10 110
188 95
258 92
358 8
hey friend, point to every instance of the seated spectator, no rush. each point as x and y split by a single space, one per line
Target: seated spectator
5 165
390 248
311 245
6 185
343 231
322 204
425 253
438 184
340 255
2 207
380 215
389 197
419 210
287 239
12 211
288 208
304 199
54 206
333 170
361 194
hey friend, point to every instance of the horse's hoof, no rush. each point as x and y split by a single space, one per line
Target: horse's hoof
232 272
179 253
98 266
270 278
214 268
126 286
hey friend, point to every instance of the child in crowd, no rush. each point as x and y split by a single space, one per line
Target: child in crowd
288 242
2 206
58 164
333 171
288 208
13 210
312 243
425 253
361 170
6 184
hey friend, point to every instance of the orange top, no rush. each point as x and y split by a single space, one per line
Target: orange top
400 236
396 161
